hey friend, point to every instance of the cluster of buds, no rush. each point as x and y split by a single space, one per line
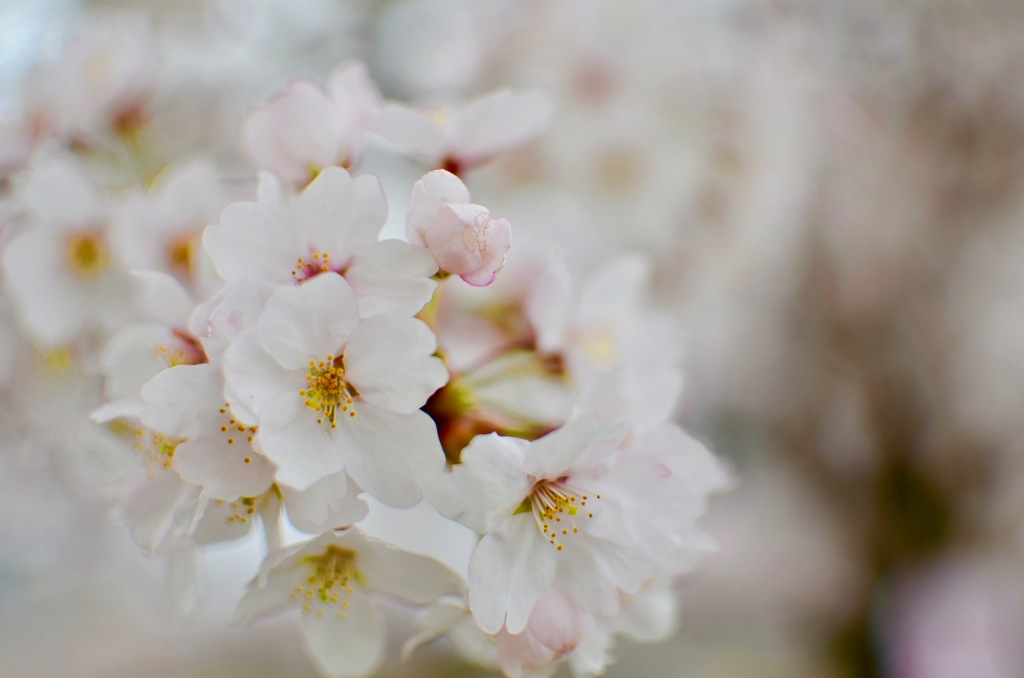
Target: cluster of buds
269 357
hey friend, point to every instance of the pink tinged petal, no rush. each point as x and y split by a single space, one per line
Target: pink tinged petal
696 472
253 239
354 91
298 132
309 321
492 247
304 451
510 569
339 213
411 130
555 622
226 471
433 190
550 305
160 298
183 401
409 577
498 122
390 361
253 377
349 647
391 455
487 486
326 504
392 275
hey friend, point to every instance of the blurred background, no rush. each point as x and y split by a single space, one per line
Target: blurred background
833 196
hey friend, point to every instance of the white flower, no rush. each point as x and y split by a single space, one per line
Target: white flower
101 82
329 579
603 323
462 237
305 129
457 139
567 508
331 227
161 230
60 272
330 392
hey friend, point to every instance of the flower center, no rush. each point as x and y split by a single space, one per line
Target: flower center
551 501
157 451
187 351
332 574
87 253
309 268
242 510
180 254
326 391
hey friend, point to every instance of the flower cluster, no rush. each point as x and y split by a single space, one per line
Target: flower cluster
268 356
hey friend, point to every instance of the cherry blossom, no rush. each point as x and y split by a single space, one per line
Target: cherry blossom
463 237
332 580
344 393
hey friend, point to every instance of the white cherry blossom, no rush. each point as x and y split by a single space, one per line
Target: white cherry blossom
305 129
331 227
332 580
459 138
330 392
566 508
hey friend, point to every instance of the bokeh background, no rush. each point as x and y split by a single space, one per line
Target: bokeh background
833 196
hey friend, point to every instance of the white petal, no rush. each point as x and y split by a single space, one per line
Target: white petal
309 321
389 359
392 275
391 455
304 451
497 122
410 577
181 401
339 213
413 131
260 602
132 357
510 569
353 646
550 305
221 468
253 240
161 298
487 486
252 377
326 504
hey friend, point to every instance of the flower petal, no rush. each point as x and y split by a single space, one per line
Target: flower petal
303 450
353 646
392 275
389 359
391 455
310 321
510 569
